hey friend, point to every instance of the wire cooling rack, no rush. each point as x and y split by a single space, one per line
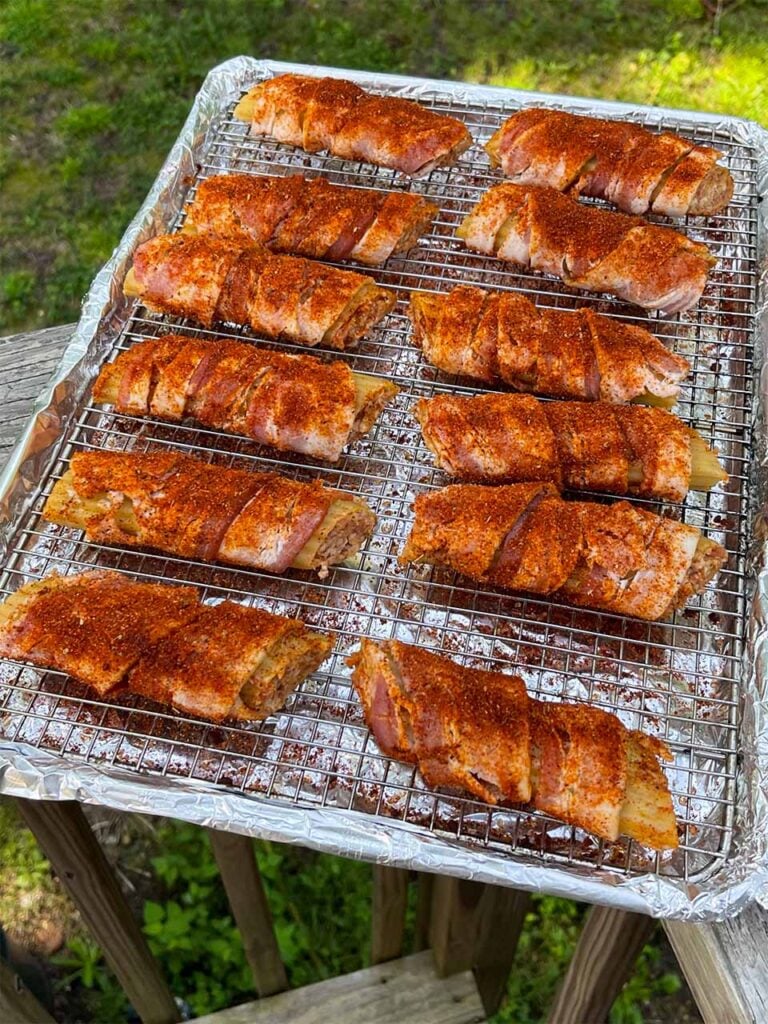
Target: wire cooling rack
675 679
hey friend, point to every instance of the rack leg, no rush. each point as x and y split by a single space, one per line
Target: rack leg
240 874
605 955
69 844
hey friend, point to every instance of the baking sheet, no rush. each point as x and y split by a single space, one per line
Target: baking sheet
312 775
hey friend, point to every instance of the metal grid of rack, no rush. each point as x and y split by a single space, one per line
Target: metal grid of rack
675 679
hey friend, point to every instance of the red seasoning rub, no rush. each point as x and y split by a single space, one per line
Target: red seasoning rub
596 250
213 280
638 170
502 337
292 402
338 116
481 732
189 508
616 558
215 661
583 446
309 217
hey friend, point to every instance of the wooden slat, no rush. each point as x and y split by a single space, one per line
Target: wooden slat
27 362
453 923
69 844
476 926
17 1004
389 904
242 880
403 991
501 919
605 956
726 966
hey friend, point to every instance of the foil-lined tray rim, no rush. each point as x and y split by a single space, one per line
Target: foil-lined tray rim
28 772
31 773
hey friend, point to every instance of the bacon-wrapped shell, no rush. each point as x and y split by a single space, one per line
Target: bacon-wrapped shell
582 446
502 337
214 280
293 402
309 217
336 115
115 634
178 504
481 732
616 558
638 170
599 251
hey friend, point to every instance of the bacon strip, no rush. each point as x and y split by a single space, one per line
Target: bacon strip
292 402
214 661
616 558
482 733
638 170
596 250
338 116
309 217
628 449
214 280
502 336
175 503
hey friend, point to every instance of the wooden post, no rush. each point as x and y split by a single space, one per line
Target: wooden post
424 882
389 904
17 1004
476 926
726 965
453 924
245 891
501 918
605 956
69 844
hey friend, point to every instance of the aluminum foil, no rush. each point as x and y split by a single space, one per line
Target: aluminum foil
26 771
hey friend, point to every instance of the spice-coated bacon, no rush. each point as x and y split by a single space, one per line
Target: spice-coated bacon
481 732
596 250
309 217
117 635
502 336
210 279
583 446
616 558
189 508
292 402
638 170
336 115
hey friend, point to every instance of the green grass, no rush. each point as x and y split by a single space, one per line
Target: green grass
92 94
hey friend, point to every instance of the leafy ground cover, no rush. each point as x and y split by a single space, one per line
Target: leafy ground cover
93 94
